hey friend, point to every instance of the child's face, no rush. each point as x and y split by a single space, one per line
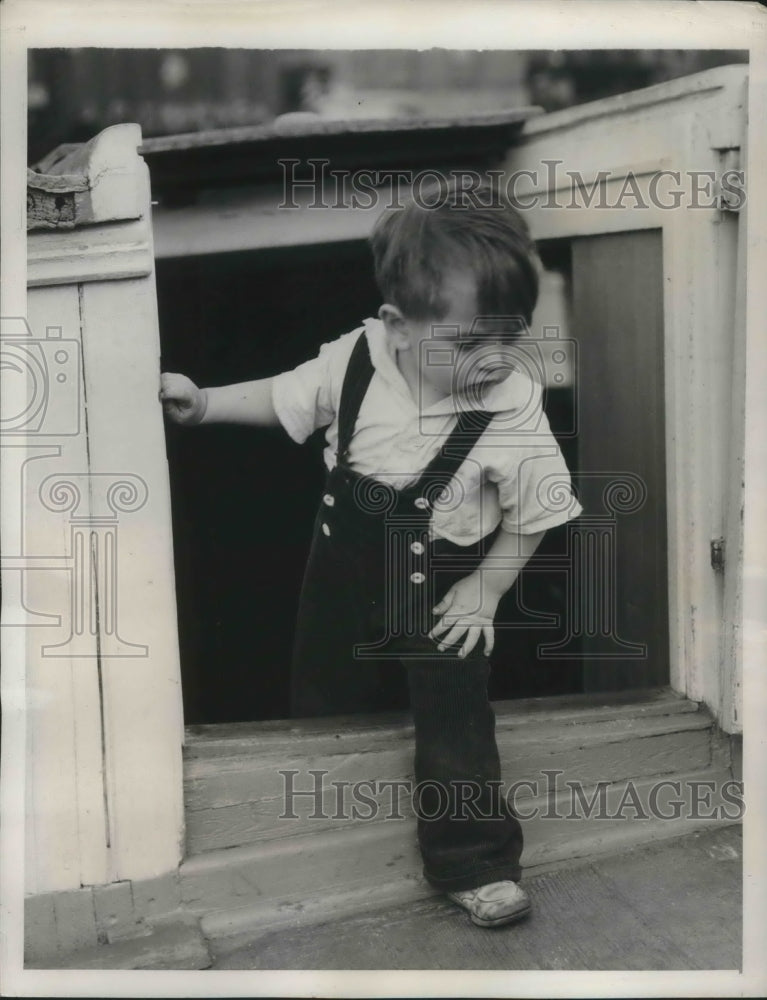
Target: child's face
459 353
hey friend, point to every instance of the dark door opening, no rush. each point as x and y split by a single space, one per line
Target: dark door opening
243 500
617 281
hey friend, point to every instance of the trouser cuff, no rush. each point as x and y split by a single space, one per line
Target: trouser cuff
473 880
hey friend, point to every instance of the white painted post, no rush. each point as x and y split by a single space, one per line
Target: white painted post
105 725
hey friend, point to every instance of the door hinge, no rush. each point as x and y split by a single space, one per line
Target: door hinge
717 553
731 182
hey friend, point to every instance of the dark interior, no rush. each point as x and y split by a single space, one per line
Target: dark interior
243 499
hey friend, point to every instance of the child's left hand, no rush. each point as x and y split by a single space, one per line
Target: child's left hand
471 604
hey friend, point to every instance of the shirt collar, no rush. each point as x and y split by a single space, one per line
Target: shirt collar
513 394
383 354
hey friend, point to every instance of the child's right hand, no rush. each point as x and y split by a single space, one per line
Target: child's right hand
181 399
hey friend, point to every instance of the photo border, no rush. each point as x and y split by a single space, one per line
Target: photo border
28 24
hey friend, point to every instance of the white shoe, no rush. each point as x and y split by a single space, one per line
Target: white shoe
494 904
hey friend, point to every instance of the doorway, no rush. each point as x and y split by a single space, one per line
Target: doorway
243 499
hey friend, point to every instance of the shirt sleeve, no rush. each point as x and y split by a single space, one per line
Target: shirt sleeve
307 397
533 481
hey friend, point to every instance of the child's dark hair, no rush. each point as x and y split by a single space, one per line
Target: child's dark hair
481 230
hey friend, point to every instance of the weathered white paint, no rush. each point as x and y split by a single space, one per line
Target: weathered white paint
107 187
241 800
693 124
104 721
750 625
65 819
142 695
66 258
731 680
254 221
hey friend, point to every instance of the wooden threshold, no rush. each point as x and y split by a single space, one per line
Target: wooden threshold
252 867
209 740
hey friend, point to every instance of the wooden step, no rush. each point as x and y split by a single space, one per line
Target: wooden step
318 876
236 777
278 872
356 731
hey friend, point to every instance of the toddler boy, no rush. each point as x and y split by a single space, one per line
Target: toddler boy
439 463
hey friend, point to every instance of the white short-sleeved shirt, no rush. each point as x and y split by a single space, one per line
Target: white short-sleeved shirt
515 474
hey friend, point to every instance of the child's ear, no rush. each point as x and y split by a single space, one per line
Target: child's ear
395 324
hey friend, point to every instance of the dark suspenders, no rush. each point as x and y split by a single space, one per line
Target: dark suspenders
359 372
438 473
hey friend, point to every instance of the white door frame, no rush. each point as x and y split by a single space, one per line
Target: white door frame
694 124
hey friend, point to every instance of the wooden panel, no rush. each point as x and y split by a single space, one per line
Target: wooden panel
103 688
66 847
138 636
62 258
618 323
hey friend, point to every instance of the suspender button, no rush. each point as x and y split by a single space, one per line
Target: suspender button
417 577
422 503
417 548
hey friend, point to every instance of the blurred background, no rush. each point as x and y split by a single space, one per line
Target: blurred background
74 93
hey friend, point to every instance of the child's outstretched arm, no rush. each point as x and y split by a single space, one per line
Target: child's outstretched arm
467 610
241 403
